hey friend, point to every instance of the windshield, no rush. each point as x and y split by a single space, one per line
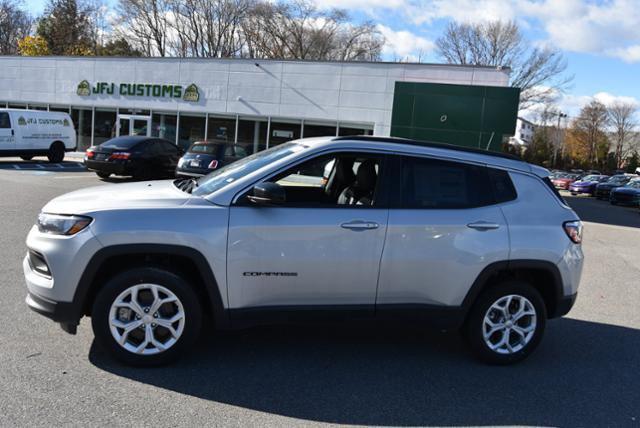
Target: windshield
618 179
235 170
633 183
589 178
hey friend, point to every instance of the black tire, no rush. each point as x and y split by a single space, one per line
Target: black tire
26 158
150 275
103 174
56 152
473 329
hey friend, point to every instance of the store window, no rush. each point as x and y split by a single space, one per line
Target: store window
163 125
3 104
41 107
354 130
104 125
82 121
18 106
283 131
252 134
134 111
191 129
63 109
221 129
319 130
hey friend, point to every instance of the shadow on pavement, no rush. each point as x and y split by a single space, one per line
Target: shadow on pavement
583 374
598 211
43 165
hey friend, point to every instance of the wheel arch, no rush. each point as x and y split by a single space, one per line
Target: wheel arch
544 276
185 261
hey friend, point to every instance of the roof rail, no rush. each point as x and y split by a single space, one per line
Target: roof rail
445 146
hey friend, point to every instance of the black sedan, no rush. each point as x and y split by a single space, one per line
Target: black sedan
203 157
143 158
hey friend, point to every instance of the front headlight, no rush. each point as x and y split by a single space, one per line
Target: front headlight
57 224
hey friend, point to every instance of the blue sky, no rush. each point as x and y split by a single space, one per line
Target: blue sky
599 38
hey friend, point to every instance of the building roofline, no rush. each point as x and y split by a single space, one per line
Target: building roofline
147 58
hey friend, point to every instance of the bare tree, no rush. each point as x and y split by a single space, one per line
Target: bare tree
209 28
622 119
539 72
146 24
299 30
15 24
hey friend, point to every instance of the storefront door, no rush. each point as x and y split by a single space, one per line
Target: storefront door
134 125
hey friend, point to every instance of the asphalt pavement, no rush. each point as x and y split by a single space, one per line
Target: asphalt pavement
585 372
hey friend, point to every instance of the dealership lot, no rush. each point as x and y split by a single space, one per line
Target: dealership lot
585 372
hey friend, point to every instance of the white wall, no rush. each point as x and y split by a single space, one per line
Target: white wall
346 92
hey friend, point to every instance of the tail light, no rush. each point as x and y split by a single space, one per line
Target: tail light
573 229
119 155
90 153
213 164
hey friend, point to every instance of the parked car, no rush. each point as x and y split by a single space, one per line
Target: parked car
563 181
587 184
29 133
604 189
143 158
629 194
428 233
203 157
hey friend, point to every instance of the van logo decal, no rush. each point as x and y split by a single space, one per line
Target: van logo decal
84 89
191 93
22 121
65 122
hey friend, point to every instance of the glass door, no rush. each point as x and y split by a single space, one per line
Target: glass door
134 125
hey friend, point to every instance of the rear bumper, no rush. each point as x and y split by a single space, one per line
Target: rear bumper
192 172
563 306
110 167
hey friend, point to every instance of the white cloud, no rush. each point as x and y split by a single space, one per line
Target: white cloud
404 44
607 27
571 104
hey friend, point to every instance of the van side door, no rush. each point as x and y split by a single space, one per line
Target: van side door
445 226
7 137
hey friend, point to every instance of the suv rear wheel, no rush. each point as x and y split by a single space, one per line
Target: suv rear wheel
506 323
146 317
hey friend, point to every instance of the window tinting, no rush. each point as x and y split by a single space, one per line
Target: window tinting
428 183
4 120
502 185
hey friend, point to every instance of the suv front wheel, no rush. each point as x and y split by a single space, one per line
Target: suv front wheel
506 323
146 316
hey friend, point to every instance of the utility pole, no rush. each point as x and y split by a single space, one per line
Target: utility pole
560 115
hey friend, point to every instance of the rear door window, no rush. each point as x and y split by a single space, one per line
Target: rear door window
437 184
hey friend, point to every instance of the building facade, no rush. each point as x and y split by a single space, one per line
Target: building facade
256 103
524 133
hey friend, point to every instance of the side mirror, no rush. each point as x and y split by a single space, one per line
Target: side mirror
267 194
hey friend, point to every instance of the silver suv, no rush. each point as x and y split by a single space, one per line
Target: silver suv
346 227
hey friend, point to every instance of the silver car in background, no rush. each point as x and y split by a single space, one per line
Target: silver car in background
323 228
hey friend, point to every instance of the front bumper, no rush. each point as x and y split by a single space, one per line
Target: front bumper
580 190
61 312
66 258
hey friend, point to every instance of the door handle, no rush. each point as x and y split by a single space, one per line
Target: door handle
359 225
483 225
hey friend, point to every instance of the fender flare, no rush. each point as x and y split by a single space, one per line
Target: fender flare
87 280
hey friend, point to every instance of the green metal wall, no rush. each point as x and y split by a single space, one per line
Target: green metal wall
456 114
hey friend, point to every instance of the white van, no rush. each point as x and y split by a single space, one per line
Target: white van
29 133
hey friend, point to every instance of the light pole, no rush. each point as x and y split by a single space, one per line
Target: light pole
560 115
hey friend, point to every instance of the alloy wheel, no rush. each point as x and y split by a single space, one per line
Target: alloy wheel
509 324
146 319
